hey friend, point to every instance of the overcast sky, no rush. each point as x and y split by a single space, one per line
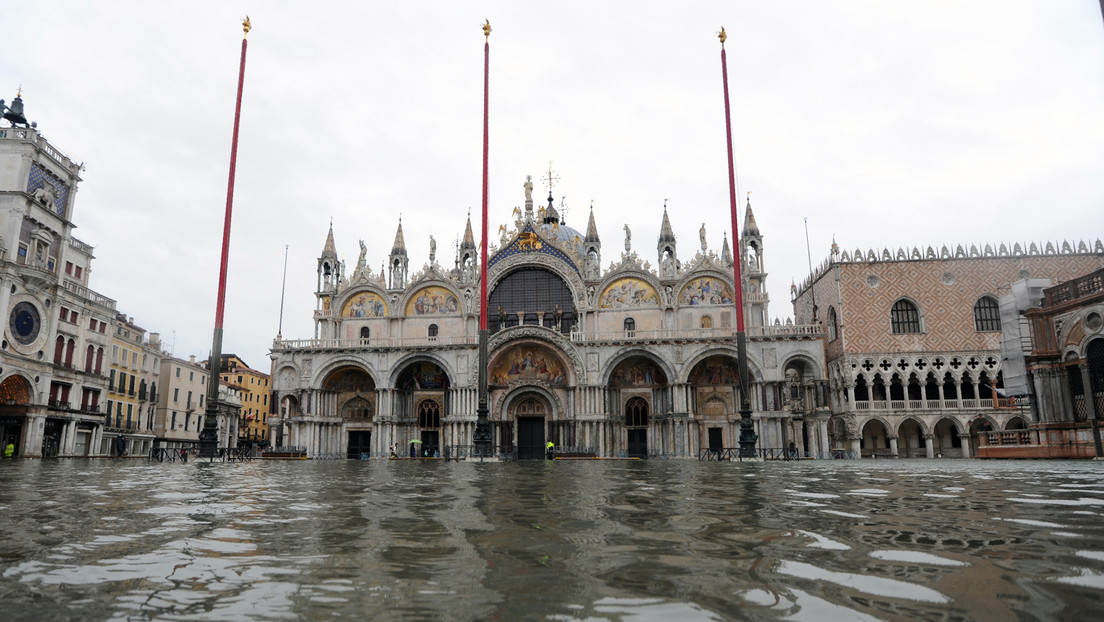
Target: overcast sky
882 123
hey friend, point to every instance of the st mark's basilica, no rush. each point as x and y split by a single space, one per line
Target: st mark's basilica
624 361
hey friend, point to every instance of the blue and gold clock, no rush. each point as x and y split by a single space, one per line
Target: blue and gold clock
25 323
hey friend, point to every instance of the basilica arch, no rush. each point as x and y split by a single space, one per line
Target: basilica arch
640 397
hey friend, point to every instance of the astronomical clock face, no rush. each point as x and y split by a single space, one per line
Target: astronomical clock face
25 326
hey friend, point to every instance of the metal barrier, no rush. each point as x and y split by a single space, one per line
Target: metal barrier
727 454
223 454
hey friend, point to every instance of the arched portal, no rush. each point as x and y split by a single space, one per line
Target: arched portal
945 439
15 396
875 439
356 403
422 401
530 412
715 381
639 386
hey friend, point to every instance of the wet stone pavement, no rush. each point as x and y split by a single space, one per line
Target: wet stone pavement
563 540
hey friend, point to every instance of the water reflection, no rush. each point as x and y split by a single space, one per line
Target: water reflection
562 540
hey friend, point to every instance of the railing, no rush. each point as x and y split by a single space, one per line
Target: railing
1014 437
89 295
80 246
770 453
381 342
1076 288
22 133
948 404
712 334
473 452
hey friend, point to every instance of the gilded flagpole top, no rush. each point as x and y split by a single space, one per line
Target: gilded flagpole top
246 26
722 36
487 29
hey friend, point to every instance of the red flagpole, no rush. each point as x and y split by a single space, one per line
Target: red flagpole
208 437
230 188
483 252
481 435
739 287
748 437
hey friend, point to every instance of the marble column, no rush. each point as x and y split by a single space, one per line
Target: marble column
929 446
893 446
964 440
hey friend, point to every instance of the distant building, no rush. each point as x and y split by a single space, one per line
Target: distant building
629 360
913 342
180 405
53 376
254 387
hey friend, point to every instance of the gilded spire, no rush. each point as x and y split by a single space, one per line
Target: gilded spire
592 228
469 237
750 228
665 232
400 243
328 248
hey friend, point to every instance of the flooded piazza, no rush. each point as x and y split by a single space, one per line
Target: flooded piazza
562 540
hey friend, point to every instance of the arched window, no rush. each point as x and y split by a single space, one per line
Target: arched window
630 325
531 291
365 332
432 330
987 314
904 317
69 348
833 324
636 413
429 414
707 321
88 358
59 350
99 360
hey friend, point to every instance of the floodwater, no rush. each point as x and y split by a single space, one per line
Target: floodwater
562 540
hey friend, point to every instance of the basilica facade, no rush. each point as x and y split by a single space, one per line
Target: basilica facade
625 361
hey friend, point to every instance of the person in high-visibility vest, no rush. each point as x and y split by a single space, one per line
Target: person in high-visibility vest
9 450
549 448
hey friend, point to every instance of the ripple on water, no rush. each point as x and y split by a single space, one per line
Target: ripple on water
877 586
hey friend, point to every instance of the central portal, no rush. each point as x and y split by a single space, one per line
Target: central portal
530 412
530 438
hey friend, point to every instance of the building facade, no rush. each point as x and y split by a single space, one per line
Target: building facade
628 360
53 371
254 387
180 404
132 389
914 342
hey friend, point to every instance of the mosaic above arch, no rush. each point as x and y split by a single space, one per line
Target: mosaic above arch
628 292
367 304
528 362
637 372
706 290
716 370
423 375
433 300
